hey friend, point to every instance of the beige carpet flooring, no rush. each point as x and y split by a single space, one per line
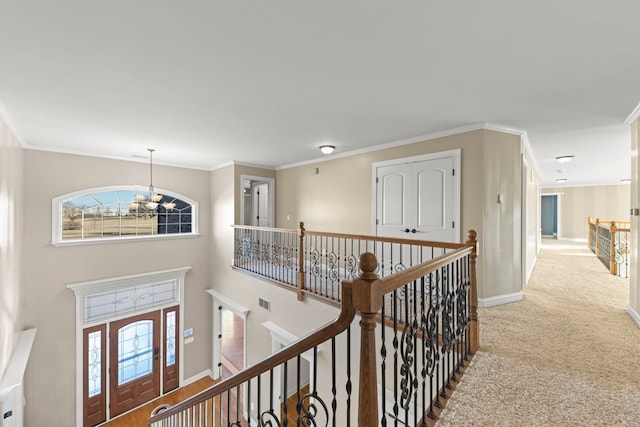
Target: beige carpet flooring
568 354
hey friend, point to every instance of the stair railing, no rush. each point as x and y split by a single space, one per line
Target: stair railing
426 317
315 263
609 241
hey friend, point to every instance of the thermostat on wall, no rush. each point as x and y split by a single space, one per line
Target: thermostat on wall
188 332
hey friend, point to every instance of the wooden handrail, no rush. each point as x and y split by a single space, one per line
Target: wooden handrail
445 245
390 283
364 296
302 231
315 338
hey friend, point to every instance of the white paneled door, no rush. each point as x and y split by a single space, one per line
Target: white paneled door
418 200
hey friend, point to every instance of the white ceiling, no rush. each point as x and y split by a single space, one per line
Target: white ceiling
206 82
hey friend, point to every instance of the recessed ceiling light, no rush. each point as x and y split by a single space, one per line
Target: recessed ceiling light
564 159
327 149
561 179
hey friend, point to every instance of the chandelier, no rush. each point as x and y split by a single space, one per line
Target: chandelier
147 204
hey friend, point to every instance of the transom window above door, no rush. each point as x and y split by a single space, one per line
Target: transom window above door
121 213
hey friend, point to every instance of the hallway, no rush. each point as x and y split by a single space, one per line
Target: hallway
564 355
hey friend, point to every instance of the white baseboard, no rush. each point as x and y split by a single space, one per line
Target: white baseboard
499 300
634 314
196 377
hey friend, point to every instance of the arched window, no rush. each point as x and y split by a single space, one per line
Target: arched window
121 213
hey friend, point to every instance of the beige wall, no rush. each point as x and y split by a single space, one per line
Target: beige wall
576 204
297 318
11 158
336 195
51 373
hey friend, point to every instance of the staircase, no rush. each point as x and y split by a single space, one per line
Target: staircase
393 355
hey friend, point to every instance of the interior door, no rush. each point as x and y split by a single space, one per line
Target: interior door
260 208
549 215
170 366
135 360
416 200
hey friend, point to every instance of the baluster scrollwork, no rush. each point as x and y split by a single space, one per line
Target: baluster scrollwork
308 408
332 267
268 419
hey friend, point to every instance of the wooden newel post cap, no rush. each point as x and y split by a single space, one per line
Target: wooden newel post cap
368 266
471 235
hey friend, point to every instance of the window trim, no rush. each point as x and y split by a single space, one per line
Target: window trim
56 217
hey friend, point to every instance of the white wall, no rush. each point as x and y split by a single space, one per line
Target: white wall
11 201
51 373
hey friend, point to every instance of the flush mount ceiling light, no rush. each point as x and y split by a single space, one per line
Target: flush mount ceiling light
561 179
564 159
327 149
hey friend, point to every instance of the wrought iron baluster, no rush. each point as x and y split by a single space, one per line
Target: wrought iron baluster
348 386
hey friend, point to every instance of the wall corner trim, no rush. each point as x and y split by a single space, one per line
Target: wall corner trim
634 315
499 300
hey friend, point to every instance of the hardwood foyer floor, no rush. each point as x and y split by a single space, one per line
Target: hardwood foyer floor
139 416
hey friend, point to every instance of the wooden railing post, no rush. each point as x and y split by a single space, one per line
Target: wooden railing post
613 267
368 302
473 294
589 231
301 262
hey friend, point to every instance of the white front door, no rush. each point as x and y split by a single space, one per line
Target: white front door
417 200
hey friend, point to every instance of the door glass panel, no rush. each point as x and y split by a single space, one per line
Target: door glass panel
94 357
135 351
171 338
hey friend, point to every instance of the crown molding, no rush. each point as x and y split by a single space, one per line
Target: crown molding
4 116
420 138
633 116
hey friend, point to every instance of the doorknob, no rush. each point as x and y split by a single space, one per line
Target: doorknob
406 230
156 353
414 230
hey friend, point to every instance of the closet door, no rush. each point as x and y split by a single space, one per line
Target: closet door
432 186
416 200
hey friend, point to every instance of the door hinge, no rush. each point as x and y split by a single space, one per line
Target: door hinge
453 224
376 179
377 222
453 172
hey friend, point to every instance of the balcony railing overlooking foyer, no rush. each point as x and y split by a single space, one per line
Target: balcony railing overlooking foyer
609 240
418 331
315 263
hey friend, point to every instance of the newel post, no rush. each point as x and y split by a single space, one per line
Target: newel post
589 231
367 300
613 267
301 261
473 294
